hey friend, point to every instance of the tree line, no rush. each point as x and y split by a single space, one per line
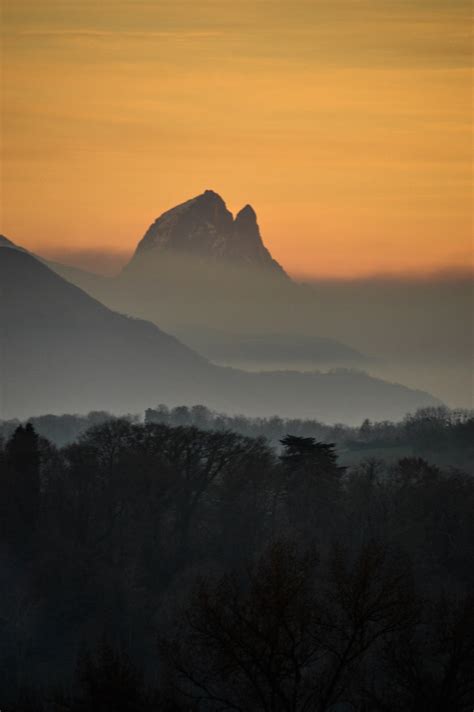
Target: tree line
440 434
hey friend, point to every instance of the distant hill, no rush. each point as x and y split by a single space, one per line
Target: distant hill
256 351
63 351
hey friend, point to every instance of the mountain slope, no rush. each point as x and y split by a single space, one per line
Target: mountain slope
80 277
270 351
62 351
5 242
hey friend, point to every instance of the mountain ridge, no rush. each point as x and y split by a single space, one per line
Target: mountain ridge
64 351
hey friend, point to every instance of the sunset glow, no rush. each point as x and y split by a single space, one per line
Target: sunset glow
346 124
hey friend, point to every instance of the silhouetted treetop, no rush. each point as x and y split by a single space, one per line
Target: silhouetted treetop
307 454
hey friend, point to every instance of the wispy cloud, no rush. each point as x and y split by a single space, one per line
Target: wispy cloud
142 34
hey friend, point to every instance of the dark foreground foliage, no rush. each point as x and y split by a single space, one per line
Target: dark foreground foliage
150 567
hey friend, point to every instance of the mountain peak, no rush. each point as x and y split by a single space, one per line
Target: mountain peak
209 197
203 227
210 194
247 214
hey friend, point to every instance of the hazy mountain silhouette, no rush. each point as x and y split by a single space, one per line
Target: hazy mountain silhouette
88 281
205 229
207 277
220 345
62 351
258 350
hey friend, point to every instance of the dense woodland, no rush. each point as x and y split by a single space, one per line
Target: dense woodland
164 566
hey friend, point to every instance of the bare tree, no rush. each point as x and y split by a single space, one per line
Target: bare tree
288 637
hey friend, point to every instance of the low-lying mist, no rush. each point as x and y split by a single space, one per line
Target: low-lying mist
415 331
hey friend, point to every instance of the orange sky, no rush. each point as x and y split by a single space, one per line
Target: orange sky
346 123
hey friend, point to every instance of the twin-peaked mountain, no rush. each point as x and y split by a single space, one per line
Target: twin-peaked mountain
206 276
205 229
63 351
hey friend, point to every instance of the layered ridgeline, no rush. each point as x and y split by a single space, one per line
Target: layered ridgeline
63 351
208 278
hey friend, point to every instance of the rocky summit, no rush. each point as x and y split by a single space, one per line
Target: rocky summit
203 227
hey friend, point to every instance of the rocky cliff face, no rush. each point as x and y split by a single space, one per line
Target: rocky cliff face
203 227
